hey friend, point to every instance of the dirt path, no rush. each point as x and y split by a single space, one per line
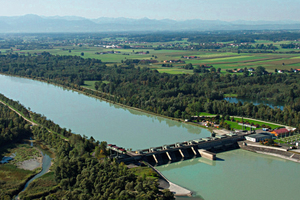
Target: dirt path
34 124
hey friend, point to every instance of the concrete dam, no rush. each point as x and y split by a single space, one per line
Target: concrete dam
203 147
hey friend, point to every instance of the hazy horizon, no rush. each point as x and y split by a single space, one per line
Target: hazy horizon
229 10
74 16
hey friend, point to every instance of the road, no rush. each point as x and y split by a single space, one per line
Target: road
34 124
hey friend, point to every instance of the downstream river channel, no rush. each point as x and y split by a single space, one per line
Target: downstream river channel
237 174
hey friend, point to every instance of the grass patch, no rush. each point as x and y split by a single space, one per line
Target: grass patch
144 172
257 122
235 125
89 84
12 179
206 114
230 95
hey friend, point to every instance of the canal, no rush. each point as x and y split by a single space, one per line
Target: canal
238 174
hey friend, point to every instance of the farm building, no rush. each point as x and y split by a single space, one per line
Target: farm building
280 132
259 137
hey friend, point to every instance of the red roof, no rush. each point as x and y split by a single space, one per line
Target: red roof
281 131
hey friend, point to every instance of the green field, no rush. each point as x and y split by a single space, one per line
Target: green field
217 58
257 122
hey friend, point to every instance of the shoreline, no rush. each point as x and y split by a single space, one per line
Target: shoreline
177 190
270 151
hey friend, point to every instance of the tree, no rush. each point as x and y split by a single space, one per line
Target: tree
260 70
82 54
246 72
213 70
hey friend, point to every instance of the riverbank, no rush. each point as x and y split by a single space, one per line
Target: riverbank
271 151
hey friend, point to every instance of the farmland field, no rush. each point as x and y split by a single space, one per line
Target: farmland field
216 58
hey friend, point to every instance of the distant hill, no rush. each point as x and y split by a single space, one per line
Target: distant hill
41 24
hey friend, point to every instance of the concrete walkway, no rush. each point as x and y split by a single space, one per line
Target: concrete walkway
166 184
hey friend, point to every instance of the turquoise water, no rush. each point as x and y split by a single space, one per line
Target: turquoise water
238 174
91 117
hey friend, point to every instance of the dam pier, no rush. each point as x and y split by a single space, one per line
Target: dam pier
203 147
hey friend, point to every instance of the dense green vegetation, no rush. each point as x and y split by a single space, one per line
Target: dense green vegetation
12 180
12 126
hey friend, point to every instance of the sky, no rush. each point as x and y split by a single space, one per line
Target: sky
225 10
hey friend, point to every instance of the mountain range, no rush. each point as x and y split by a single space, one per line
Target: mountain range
40 24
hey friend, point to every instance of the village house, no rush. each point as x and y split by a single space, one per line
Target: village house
190 57
280 132
173 61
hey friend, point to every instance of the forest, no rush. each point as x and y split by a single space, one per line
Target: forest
77 173
12 126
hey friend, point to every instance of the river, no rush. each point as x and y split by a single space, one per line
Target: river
238 174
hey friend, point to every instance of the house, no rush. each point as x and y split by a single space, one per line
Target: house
296 70
240 70
258 137
279 71
280 132
251 69
190 57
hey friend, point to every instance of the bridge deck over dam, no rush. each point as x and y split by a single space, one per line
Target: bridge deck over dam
182 150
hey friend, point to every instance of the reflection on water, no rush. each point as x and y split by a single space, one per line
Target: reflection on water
170 123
